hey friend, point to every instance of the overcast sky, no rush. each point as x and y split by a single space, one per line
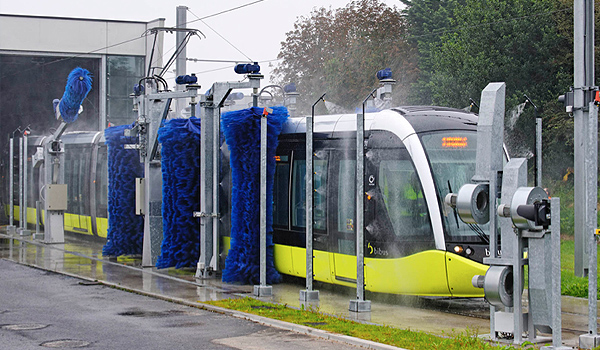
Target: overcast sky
256 30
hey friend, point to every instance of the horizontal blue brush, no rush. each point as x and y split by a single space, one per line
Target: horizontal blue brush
79 84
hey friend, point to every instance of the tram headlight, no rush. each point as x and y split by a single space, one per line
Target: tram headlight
458 249
469 251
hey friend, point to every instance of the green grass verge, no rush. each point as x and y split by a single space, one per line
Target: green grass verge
570 284
382 334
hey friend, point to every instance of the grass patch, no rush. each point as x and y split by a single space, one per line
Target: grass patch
570 284
382 334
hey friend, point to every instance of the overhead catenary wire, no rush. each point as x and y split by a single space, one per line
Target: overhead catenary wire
224 11
123 42
407 37
221 36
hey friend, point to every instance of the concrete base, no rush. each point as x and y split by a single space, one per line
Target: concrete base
309 295
24 232
263 291
550 347
589 341
360 306
38 236
205 273
11 230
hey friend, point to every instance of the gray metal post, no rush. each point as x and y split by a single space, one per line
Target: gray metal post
586 162
591 174
583 81
360 304
517 288
556 273
263 200
11 186
309 294
538 150
154 110
25 231
55 202
216 184
38 213
206 193
210 105
180 62
263 290
20 184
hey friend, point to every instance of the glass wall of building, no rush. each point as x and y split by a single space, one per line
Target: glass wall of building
122 73
28 84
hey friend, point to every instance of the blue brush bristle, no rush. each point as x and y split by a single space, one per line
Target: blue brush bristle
242 135
79 84
180 139
125 229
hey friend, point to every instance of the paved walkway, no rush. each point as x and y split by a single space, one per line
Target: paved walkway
81 257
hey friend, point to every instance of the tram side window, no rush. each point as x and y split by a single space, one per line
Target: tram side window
84 181
299 194
102 184
346 204
403 197
71 178
346 193
280 194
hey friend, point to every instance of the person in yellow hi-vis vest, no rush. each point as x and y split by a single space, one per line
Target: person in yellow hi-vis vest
414 204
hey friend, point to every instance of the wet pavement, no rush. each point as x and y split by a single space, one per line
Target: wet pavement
82 257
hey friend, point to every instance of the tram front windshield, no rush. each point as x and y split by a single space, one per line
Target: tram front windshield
452 158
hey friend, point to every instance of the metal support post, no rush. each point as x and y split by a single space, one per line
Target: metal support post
38 215
56 191
537 169
263 290
583 85
585 116
538 150
592 339
205 268
556 322
489 163
21 226
309 294
208 263
154 110
215 198
10 229
180 62
25 231
360 304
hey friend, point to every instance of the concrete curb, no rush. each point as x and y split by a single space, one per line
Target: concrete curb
313 332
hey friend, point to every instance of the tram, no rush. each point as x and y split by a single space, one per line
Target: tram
414 156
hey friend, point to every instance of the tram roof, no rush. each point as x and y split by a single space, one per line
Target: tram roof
421 118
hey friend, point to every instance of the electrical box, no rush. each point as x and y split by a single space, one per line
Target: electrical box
56 196
140 196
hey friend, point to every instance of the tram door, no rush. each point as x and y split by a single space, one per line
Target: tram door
76 168
343 216
319 203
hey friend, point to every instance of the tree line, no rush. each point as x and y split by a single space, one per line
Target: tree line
443 52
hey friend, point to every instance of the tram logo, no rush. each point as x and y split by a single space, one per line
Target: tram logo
371 180
376 250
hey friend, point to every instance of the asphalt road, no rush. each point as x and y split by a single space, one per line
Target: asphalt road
40 309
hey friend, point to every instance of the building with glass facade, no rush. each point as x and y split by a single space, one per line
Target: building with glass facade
37 54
